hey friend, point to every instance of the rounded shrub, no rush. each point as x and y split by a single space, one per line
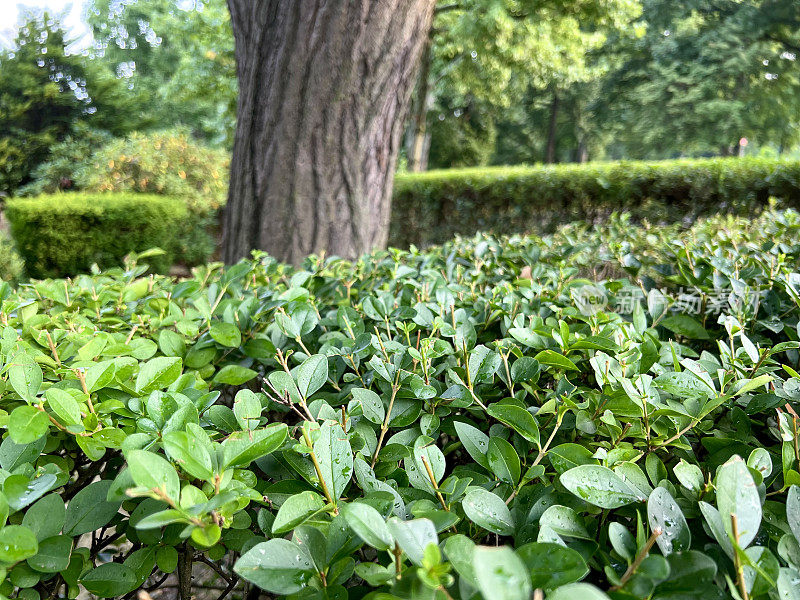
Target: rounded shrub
65 234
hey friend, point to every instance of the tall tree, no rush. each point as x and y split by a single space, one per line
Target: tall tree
176 53
484 57
48 93
706 73
324 89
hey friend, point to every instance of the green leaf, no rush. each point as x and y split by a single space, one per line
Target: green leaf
17 543
552 565
25 376
247 409
64 405
99 375
162 518
234 375
554 359
311 374
762 571
564 521
476 443
109 580
488 510
189 453
503 461
167 558
243 447
89 510
206 536
743 386
690 476
296 510
171 343
685 326
664 513
150 471
27 424
53 555
13 455
157 374
226 334
793 511
415 469
335 457
501 574
684 384
46 518
516 417
277 566
20 491
459 550
599 486
738 495
413 537
688 571
566 456
368 524
371 406
575 591
717 527
787 584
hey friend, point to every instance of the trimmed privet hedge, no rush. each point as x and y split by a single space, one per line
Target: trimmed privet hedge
432 207
479 421
65 234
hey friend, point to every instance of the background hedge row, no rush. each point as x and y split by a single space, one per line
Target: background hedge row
66 234
431 207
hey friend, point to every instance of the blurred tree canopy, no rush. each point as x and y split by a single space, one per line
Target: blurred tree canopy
178 54
48 93
652 79
502 81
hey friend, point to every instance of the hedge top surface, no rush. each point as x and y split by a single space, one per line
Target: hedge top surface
72 203
683 166
603 413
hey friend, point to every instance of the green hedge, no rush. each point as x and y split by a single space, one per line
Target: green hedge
431 207
64 234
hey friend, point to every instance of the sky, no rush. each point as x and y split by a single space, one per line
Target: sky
9 12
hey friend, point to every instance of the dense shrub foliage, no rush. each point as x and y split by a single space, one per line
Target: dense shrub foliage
432 207
65 234
600 413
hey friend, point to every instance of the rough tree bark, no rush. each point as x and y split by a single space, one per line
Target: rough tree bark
417 159
324 89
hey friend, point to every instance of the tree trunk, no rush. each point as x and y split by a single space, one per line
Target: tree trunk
417 158
550 158
324 89
583 152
